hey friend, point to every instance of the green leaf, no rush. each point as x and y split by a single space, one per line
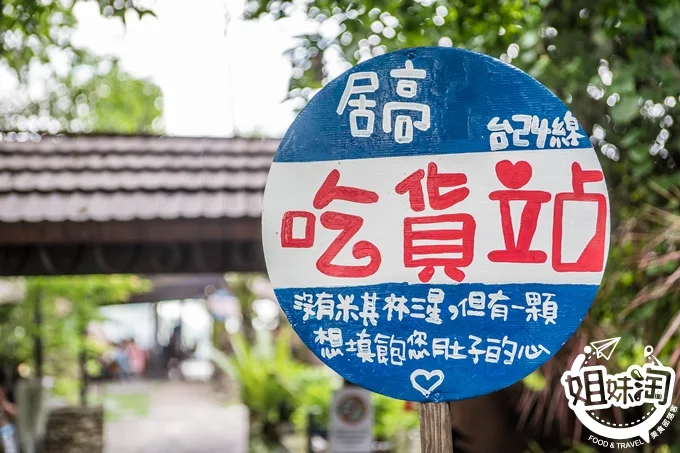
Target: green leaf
639 154
626 110
624 81
535 381
642 170
631 138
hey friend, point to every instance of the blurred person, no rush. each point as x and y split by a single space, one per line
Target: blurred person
136 357
175 348
121 359
8 414
109 363
172 352
176 352
175 343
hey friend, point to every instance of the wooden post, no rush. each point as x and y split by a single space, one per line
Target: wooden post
435 428
37 339
82 359
156 366
310 430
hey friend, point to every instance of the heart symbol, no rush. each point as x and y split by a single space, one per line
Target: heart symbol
513 176
428 375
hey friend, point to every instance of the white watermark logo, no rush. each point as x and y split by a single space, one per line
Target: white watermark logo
590 390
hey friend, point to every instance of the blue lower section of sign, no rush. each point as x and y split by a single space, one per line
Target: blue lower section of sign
421 342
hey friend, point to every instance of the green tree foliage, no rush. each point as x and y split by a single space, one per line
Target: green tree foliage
614 63
57 87
67 304
117 102
242 287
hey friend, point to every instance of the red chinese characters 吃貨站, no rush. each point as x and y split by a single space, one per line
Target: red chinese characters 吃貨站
452 234
348 225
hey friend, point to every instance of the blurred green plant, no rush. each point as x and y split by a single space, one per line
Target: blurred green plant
264 376
68 304
241 285
314 388
276 388
58 87
393 419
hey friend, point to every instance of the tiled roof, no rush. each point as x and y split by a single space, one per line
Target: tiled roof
101 178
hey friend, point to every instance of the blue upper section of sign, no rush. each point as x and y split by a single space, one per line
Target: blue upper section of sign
464 91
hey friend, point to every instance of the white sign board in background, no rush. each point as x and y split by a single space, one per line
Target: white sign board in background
351 420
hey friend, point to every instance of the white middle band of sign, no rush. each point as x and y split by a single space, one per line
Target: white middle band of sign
383 222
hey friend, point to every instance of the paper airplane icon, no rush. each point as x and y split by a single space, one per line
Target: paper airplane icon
605 348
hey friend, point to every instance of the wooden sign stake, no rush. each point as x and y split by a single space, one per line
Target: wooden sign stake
435 428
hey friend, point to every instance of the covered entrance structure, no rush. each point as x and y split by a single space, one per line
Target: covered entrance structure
181 211
131 204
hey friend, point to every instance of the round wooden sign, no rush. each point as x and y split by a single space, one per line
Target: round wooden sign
435 224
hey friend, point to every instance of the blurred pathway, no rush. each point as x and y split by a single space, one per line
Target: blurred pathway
172 417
